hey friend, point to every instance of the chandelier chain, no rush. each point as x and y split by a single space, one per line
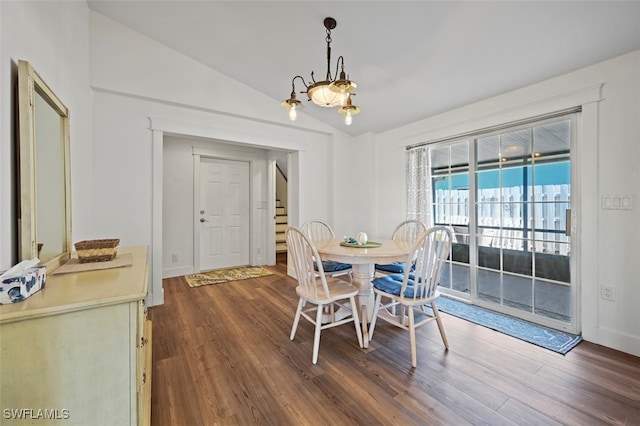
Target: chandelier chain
329 55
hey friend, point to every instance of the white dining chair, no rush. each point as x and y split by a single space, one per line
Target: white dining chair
416 290
315 289
317 230
408 230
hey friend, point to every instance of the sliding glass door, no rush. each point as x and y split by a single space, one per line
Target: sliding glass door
452 207
506 195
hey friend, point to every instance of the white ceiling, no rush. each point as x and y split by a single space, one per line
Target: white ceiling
410 59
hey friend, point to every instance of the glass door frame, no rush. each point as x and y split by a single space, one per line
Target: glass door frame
472 237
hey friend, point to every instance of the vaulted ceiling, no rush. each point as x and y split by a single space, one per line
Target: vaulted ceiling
410 59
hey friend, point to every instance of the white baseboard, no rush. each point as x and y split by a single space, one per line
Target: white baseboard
177 272
614 339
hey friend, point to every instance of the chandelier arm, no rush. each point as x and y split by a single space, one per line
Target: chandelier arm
339 62
293 86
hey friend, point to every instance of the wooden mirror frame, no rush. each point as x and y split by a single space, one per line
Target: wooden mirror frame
31 85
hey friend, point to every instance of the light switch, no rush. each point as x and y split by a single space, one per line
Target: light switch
617 202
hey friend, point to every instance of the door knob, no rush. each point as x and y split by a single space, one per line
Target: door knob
202 219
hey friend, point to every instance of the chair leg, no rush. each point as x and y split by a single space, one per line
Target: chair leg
436 313
316 337
296 319
356 320
376 308
412 337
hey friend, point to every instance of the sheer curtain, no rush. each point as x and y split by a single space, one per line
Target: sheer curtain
419 185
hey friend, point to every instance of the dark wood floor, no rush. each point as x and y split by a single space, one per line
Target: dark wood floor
222 355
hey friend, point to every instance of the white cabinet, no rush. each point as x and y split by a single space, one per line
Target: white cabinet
78 352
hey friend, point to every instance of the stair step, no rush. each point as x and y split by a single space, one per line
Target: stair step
281 227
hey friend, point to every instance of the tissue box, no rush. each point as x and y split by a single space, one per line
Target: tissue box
16 288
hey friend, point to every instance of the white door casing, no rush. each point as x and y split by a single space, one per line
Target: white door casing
223 213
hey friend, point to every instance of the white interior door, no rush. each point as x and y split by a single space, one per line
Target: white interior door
224 213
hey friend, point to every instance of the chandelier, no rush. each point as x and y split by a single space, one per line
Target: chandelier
334 90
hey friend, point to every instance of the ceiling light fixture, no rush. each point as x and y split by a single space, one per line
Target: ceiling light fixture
334 90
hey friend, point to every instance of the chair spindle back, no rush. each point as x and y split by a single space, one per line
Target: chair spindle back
428 255
317 230
303 255
409 230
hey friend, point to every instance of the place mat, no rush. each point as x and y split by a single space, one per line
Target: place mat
74 265
370 244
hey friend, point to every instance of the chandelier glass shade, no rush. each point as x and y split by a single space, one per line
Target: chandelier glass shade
335 90
349 111
322 95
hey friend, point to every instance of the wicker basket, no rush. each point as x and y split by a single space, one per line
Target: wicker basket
97 250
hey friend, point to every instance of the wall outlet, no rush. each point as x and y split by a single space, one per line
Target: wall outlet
175 257
607 293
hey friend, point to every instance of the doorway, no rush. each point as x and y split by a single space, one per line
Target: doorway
222 211
506 194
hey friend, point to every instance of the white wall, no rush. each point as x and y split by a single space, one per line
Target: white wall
281 186
355 174
54 37
608 161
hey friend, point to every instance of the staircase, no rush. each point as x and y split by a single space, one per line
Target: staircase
281 227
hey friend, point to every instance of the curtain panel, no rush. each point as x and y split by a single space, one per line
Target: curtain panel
419 185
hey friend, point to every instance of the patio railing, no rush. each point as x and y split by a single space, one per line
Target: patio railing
501 220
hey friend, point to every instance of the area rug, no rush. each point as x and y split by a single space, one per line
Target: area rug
554 340
225 275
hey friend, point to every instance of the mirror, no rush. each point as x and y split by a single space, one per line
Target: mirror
44 214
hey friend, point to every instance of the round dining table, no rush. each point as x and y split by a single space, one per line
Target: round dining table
363 260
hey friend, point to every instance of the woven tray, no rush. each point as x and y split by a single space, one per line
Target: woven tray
97 250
